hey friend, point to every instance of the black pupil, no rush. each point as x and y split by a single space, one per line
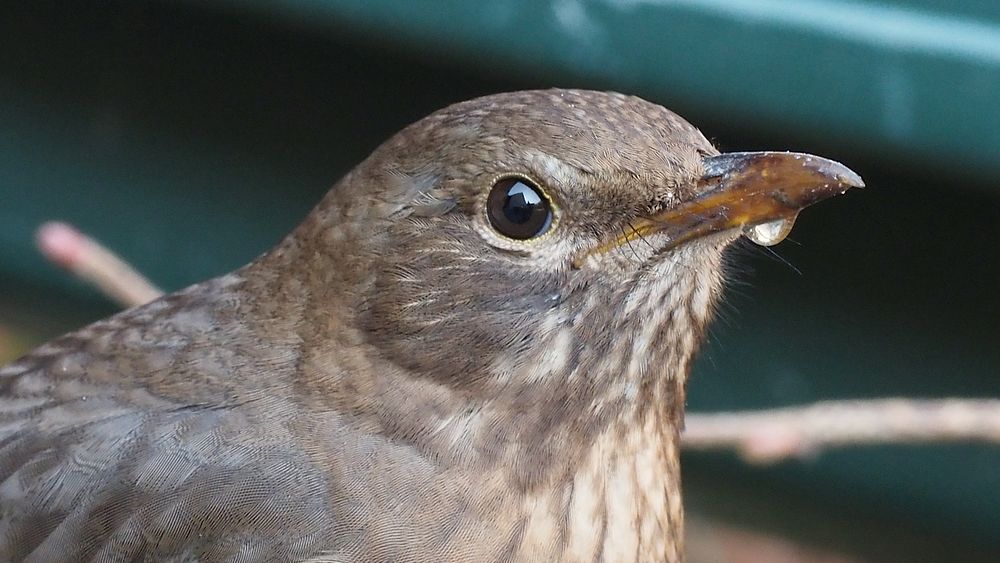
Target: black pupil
517 209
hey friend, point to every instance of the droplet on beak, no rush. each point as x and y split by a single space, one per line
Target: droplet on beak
770 233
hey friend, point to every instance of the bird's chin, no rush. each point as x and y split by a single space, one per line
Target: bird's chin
692 272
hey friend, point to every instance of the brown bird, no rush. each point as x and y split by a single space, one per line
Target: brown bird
474 349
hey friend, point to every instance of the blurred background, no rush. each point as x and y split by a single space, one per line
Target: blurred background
191 135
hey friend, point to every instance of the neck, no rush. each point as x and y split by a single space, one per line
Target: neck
621 498
611 480
621 502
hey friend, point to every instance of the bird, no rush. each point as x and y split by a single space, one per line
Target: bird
474 348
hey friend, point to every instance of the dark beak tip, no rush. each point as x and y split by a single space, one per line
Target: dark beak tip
842 174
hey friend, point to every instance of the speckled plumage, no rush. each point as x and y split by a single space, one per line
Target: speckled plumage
394 381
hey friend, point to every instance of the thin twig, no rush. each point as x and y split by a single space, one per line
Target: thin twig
761 437
715 540
769 435
92 262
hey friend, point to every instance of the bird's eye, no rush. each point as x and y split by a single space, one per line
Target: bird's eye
518 208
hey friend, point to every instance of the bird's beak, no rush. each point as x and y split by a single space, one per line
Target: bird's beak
760 192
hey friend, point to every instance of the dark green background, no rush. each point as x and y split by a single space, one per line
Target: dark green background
190 136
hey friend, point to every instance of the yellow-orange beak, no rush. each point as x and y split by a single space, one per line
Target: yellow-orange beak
744 190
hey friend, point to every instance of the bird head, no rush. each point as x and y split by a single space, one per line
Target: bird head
520 241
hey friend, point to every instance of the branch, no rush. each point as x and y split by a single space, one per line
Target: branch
89 260
769 435
711 539
764 436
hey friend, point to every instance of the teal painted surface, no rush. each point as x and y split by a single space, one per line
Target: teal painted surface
187 143
909 79
192 138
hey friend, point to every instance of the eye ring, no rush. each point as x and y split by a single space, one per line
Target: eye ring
518 208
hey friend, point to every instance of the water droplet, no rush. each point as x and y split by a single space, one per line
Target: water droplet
770 233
